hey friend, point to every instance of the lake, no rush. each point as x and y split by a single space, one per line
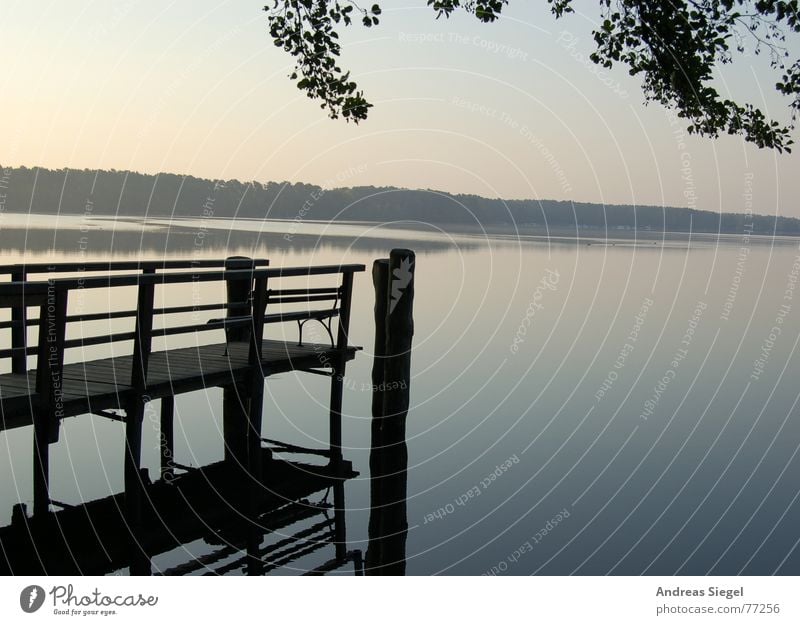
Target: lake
587 405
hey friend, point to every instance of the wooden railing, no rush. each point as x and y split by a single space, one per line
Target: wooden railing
22 272
52 297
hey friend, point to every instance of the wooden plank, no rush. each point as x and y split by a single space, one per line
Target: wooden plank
126 265
15 384
98 387
111 373
86 389
182 364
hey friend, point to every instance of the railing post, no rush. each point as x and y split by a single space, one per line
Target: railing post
238 292
391 379
49 386
143 335
339 363
19 331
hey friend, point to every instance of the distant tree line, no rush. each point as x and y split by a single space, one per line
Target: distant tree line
131 194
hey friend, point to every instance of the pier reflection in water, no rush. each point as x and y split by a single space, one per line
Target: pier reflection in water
200 521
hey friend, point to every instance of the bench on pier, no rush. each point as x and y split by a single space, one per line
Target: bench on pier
230 352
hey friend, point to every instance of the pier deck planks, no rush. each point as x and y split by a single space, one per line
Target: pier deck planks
103 384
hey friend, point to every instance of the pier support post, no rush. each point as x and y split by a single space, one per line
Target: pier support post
41 463
49 385
253 425
235 404
337 375
256 390
339 527
134 486
135 478
391 379
134 416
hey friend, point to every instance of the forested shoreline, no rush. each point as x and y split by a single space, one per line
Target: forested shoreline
131 194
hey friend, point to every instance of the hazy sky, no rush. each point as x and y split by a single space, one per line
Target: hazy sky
512 109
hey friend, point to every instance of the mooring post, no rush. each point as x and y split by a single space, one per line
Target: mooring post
380 281
391 379
235 398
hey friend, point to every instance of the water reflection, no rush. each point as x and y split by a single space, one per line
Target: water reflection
703 485
103 239
207 521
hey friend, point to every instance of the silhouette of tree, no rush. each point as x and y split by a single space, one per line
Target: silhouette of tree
674 45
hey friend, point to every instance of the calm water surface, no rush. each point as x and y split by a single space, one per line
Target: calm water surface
585 406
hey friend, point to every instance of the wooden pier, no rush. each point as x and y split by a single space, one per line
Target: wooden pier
50 381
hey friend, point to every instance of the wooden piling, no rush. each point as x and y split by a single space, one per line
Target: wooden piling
339 525
235 403
134 417
391 379
256 384
134 409
380 281
337 375
46 417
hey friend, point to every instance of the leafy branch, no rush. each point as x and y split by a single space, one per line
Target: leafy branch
306 30
675 46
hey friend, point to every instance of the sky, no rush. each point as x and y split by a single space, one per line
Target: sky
513 109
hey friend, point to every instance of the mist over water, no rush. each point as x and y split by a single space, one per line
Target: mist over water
581 406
